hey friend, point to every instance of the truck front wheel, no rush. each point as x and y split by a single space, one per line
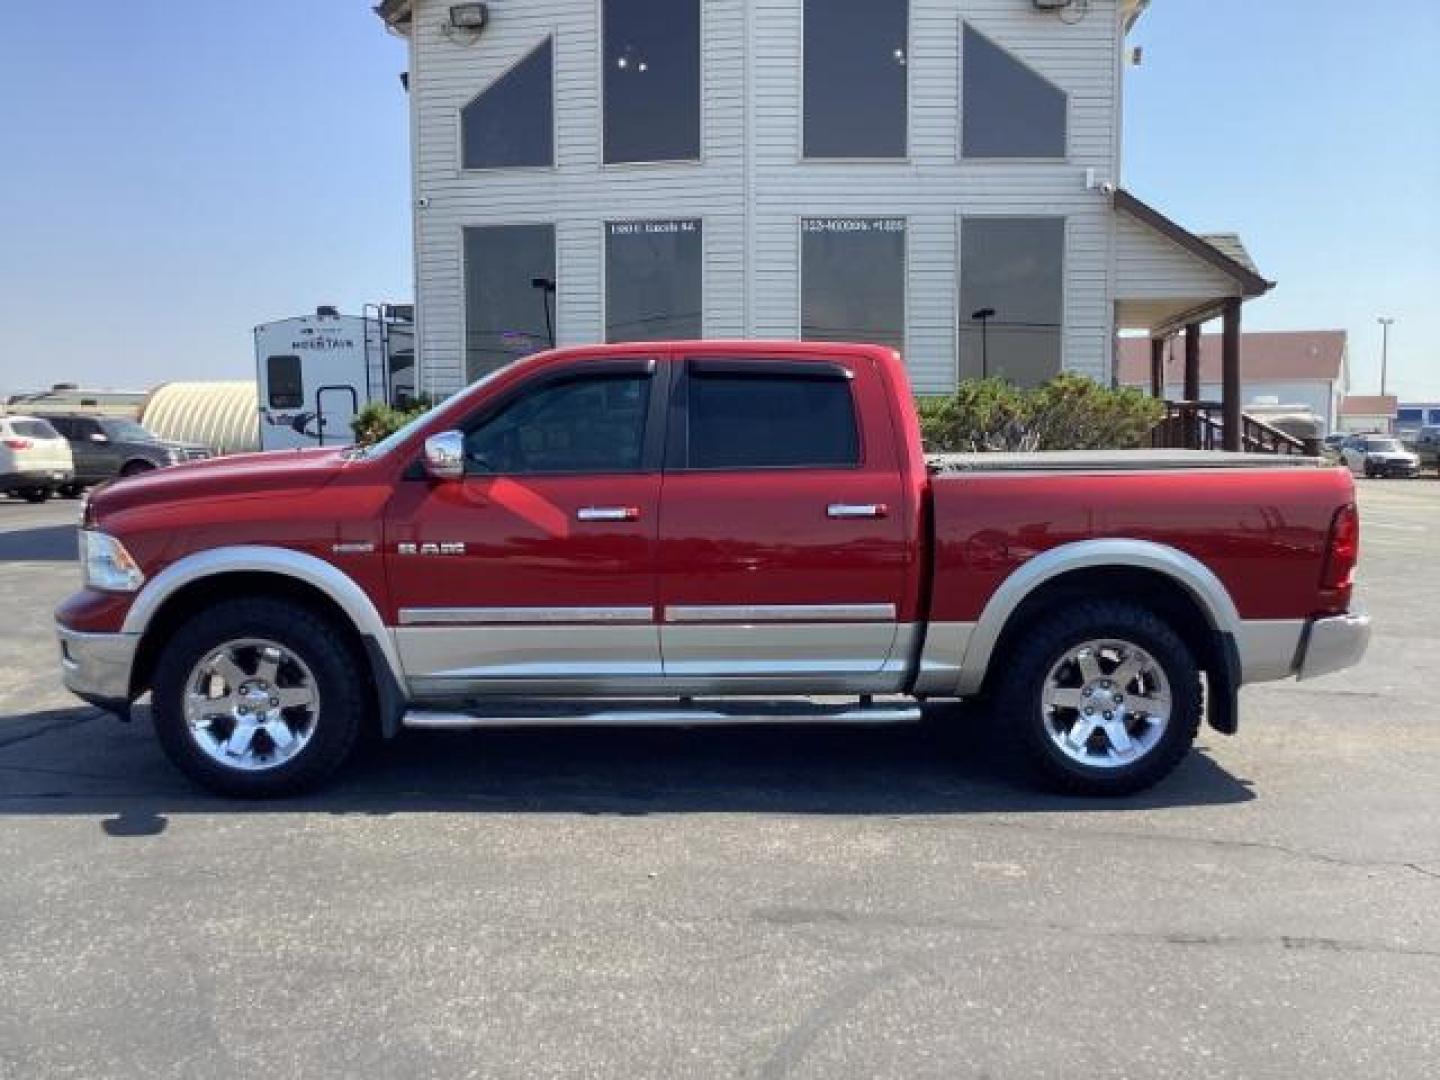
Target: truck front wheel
258 698
1102 697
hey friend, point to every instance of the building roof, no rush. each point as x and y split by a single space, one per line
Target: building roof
1223 251
1369 405
396 14
1265 356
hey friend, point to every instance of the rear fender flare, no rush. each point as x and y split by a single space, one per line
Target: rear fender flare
1197 578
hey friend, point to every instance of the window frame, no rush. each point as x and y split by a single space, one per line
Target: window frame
461 169
699 219
575 370
800 220
959 280
960 155
601 73
677 441
907 157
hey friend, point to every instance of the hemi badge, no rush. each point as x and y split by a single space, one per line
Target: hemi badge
360 548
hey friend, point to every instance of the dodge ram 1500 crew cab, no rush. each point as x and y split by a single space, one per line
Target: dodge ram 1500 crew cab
702 533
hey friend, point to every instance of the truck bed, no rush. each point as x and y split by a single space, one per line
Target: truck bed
1092 461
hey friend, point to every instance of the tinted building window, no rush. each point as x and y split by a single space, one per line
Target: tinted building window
1009 109
506 315
852 280
652 80
592 425
1011 298
856 53
771 421
512 122
287 390
652 280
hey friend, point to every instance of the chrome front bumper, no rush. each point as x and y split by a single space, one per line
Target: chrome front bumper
97 667
1333 644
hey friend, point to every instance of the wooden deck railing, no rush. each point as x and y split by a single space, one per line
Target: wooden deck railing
1200 425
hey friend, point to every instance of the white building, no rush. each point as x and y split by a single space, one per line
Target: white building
1281 371
934 174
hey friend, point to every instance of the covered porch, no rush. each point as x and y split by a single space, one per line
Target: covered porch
1171 282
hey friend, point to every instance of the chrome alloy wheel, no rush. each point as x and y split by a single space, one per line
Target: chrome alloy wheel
1106 703
251 704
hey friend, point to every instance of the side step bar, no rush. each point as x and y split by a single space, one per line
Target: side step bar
531 714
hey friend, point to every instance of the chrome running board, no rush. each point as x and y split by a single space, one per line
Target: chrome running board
530 714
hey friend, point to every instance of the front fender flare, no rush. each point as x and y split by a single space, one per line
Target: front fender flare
339 586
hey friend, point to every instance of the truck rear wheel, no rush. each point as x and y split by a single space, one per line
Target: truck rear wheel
1102 697
258 699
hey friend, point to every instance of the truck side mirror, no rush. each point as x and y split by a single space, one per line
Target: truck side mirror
445 456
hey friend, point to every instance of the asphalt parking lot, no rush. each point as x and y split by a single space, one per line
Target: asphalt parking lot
804 903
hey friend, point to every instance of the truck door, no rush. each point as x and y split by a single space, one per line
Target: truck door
536 571
784 546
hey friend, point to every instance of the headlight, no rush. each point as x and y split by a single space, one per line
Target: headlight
107 565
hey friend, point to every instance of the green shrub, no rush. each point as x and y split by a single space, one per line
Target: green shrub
377 420
1070 412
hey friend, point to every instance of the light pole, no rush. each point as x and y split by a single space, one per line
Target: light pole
1385 321
547 290
984 315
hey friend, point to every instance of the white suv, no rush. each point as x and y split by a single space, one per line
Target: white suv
34 458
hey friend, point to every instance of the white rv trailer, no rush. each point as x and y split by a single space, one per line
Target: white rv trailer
315 372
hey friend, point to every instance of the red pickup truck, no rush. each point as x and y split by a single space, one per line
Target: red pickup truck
702 533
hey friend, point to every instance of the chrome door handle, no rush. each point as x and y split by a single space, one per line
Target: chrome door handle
845 511
608 513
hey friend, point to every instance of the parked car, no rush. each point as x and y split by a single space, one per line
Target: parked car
1427 446
105 447
35 461
1378 456
706 533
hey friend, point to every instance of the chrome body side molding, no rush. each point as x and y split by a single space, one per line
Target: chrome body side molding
791 613
505 616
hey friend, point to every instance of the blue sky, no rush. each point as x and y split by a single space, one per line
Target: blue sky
172 174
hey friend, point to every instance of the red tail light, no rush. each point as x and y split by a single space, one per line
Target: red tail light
18 444
1341 554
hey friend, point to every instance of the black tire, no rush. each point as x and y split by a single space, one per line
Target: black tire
135 468
339 673
1044 643
36 494
71 491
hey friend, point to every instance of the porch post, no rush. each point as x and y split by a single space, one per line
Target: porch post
1192 362
1230 375
1157 368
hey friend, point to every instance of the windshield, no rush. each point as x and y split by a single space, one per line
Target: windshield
127 431
1383 446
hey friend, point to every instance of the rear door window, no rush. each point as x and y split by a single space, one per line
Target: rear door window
769 419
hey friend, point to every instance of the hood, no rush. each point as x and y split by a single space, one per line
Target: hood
294 472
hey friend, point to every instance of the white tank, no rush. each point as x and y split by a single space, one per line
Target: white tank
224 416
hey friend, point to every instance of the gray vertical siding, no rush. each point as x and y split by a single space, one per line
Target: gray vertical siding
752 191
